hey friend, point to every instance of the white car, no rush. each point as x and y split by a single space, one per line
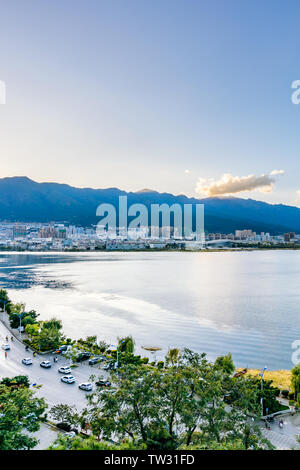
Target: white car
65 370
27 361
45 364
68 379
70 434
6 347
88 387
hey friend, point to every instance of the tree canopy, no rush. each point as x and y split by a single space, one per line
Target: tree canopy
20 411
181 405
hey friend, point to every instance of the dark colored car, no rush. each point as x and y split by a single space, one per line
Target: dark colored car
83 356
66 427
103 383
95 360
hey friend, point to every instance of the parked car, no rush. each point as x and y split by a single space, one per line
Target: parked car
27 361
64 426
6 347
83 356
45 364
65 370
86 386
103 383
63 349
68 379
70 434
95 360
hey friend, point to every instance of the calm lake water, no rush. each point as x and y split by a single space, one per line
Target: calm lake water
246 303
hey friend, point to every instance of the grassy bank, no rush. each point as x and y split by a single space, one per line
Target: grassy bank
280 378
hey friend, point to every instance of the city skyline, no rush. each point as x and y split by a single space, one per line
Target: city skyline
186 98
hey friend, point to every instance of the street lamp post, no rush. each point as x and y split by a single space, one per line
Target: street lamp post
261 375
123 341
20 326
117 363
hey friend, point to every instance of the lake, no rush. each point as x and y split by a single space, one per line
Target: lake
246 303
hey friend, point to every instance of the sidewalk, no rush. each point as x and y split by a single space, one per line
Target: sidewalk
14 332
285 438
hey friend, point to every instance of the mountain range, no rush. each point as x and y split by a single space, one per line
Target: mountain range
24 200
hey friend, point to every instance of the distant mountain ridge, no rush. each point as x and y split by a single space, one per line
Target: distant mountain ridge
24 200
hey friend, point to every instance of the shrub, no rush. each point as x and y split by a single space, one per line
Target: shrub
18 381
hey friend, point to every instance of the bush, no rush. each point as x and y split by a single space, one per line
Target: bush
145 360
64 426
285 393
18 381
160 364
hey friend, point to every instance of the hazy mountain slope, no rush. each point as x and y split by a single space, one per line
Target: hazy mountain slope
22 199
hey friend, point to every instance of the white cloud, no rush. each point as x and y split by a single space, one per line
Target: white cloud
297 201
229 184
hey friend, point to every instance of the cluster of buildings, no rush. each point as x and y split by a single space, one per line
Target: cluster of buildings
248 237
65 237
44 237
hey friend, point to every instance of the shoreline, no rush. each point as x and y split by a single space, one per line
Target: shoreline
157 250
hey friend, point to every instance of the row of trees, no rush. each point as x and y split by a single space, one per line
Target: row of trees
43 335
189 403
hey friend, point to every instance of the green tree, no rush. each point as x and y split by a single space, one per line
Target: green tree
91 341
15 382
27 318
126 345
32 330
296 382
173 356
53 323
20 411
49 338
5 301
225 363
65 413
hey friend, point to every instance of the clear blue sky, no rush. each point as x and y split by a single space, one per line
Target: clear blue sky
132 93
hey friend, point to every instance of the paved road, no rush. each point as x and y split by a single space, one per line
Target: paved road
53 390
285 438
